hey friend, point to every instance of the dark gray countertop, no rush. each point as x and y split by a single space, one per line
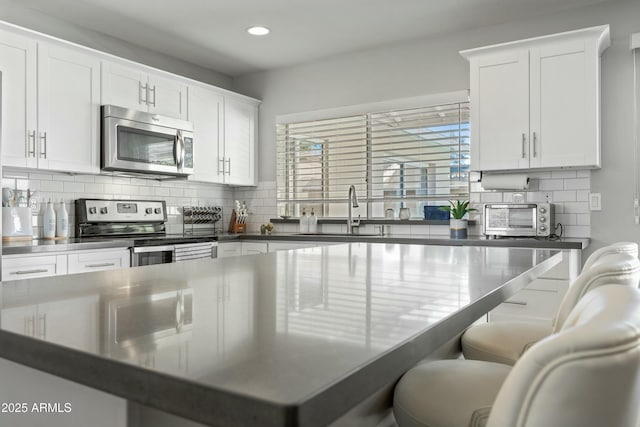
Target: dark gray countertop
291 338
71 244
564 243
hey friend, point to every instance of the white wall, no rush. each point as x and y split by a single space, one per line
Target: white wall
433 66
11 11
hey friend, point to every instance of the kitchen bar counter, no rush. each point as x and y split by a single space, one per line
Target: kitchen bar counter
522 242
291 338
74 244
18 247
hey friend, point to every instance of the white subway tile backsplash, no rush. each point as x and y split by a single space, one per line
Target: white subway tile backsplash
39 176
564 174
112 188
51 186
85 178
104 179
576 207
551 184
539 175
73 187
577 184
491 197
564 196
583 173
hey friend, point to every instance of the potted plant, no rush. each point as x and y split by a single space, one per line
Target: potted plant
457 223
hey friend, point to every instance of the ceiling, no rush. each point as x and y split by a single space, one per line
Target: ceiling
212 33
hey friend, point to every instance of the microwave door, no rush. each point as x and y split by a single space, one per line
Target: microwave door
139 147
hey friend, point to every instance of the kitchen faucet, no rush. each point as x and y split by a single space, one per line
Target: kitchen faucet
353 203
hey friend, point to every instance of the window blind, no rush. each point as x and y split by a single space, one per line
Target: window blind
400 158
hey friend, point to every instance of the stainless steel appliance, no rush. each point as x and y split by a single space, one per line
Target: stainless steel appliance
144 222
144 318
135 141
519 219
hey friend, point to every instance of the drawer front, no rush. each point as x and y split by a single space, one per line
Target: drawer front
33 266
82 262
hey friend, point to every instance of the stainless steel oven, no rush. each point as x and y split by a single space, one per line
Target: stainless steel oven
144 223
164 254
135 141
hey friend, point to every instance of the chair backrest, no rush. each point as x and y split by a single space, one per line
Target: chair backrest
616 268
630 248
587 375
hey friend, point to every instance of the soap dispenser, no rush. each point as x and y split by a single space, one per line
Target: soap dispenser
62 223
313 222
304 222
49 223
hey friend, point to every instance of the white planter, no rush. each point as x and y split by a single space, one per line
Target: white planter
458 228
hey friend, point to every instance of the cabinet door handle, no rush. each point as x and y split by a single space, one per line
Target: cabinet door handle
40 270
524 142
534 145
142 89
154 96
31 144
105 264
516 302
43 150
221 168
229 168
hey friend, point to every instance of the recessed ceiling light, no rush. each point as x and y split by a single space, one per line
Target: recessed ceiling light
258 31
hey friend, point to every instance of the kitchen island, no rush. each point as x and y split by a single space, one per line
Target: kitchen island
291 338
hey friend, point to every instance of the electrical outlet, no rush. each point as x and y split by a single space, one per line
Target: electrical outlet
595 202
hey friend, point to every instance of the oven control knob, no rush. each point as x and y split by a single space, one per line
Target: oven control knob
543 210
148 210
103 210
157 210
543 228
93 210
543 219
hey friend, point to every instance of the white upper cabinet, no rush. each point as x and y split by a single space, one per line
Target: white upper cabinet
18 57
68 110
535 103
137 89
50 108
224 129
206 113
240 118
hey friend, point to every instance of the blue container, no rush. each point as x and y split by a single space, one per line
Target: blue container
435 213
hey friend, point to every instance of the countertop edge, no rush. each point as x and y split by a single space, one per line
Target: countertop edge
440 241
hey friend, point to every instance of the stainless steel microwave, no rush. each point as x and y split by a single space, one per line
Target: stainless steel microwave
518 219
140 142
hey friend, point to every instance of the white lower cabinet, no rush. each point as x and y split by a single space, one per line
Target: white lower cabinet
229 249
17 267
252 248
85 261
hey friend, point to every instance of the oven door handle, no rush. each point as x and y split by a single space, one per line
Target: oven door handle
145 249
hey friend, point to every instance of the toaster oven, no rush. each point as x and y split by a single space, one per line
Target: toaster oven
518 219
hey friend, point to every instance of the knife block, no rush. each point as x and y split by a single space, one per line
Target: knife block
234 226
